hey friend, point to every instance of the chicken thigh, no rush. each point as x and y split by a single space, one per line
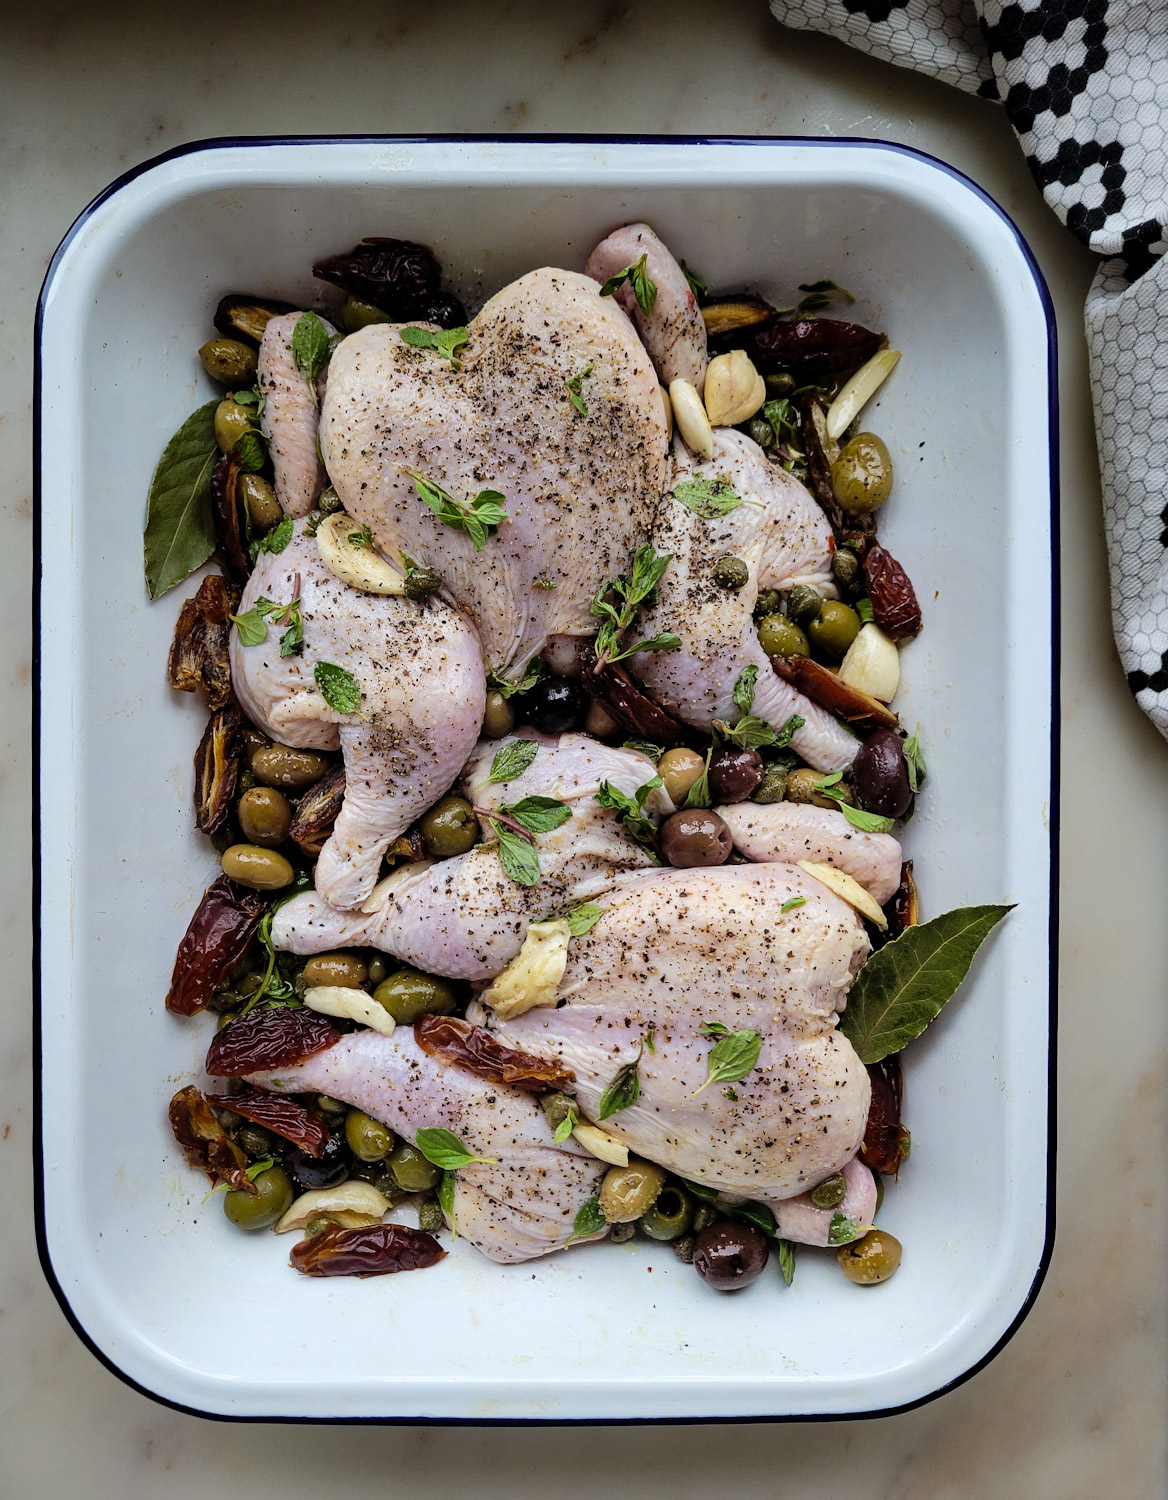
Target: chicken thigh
579 477
422 684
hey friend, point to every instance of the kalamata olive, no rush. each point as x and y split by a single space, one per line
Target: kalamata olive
326 1170
554 705
734 773
881 775
728 1256
695 837
445 309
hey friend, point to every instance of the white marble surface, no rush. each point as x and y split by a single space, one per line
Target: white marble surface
1074 1406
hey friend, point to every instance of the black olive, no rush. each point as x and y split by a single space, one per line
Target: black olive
695 837
734 773
396 275
730 1256
554 705
326 1170
445 309
880 775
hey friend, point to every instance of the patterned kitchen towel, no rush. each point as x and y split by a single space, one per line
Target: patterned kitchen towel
1085 86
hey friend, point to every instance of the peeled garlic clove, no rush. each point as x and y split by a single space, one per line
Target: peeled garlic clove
353 1005
350 1201
846 889
602 1145
668 406
859 390
355 563
872 664
690 416
533 976
734 389
378 898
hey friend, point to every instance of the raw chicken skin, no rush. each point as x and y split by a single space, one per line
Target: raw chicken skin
290 417
514 1208
579 487
674 332
465 917
681 947
796 830
784 539
423 690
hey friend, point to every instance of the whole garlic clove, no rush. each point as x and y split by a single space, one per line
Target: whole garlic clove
734 389
690 417
355 563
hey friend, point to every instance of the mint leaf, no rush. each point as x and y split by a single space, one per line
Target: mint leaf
566 1126
251 625
697 284
444 341
310 348
338 688
180 534
699 794
732 1058
786 1253
445 1150
250 446
905 984
477 517
914 760
646 747
512 760
708 498
644 290
630 811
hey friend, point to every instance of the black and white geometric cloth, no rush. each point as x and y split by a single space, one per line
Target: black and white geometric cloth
1085 86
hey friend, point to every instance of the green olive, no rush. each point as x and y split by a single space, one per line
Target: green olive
879 1192
861 477
368 1139
772 787
598 722
411 1171
801 787
671 1215
779 636
847 572
229 362
430 1216
225 1019
872 1258
334 1110
255 1141
262 506
345 970
769 602
628 1193
449 828
378 969
498 717
261 1209
264 816
804 604
231 422
409 994
678 770
761 431
831 1192
281 765
258 869
358 314
835 630
731 574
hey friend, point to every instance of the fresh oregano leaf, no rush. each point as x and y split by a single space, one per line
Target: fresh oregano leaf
630 811
744 688
512 760
180 533
310 348
517 854
697 284
338 688
531 675
623 1090
644 290
574 383
445 1150
699 794
904 985
582 919
273 541
793 903
786 1254
566 1126
444 341
713 1028
708 498
732 1058
841 1230
914 761
589 1220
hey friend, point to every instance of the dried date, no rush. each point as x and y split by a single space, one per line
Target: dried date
274 1037
397 276
280 1114
891 594
314 818
823 687
217 938
227 514
199 652
471 1047
377 1250
633 710
886 1141
205 1144
217 762
811 348
902 909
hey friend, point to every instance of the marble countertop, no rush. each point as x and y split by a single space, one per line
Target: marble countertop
1074 1405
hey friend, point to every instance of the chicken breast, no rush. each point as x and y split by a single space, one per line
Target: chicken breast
578 486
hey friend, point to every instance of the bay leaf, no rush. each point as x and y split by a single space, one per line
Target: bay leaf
180 534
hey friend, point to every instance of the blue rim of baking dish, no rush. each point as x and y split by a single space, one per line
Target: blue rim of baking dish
217 143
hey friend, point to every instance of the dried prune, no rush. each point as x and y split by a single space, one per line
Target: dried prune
217 937
275 1037
445 309
280 1114
206 1145
314 818
891 594
902 908
398 276
479 1052
378 1250
241 316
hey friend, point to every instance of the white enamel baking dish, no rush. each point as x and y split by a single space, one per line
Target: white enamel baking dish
159 1285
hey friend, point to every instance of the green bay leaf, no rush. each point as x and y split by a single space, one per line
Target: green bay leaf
180 534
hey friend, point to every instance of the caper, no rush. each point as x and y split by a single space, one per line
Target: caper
731 574
368 1139
281 765
229 362
773 786
378 969
449 828
345 970
769 602
422 582
258 869
359 314
779 636
330 502
430 1216
804 604
409 994
261 1209
671 1215
872 1258
411 1170
334 1110
846 570
231 422
557 1107
861 477
678 770
226 999
704 1215
255 1141
802 786
262 506
831 1192
225 1019
834 631
264 816
779 385
227 1118
498 717
761 431
628 1193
